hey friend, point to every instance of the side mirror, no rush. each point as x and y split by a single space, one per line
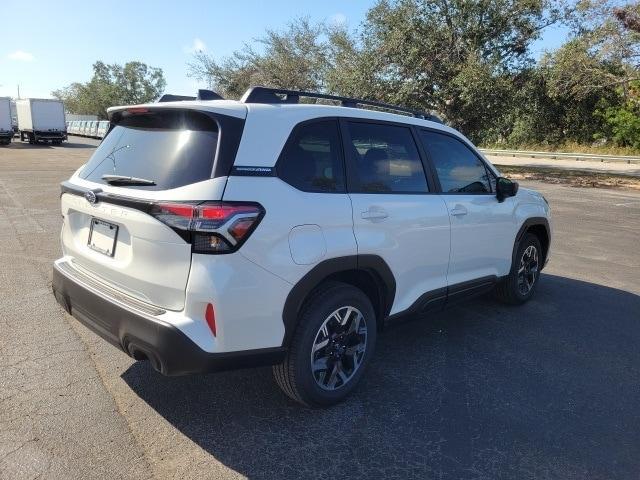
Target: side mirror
505 188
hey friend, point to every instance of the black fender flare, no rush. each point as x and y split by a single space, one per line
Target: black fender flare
371 264
528 223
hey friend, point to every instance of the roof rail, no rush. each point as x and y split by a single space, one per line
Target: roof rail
259 94
202 95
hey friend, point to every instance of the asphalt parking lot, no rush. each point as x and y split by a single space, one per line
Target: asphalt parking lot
481 391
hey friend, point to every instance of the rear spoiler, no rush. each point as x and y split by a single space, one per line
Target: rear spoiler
202 95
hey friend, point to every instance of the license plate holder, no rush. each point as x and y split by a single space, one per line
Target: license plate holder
103 237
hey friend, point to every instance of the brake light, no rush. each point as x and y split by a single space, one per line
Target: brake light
219 212
134 110
178 209
211 227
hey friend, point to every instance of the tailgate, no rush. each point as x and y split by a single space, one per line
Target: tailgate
151 155
143 257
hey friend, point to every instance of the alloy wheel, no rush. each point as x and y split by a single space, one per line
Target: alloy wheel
339 348
528 270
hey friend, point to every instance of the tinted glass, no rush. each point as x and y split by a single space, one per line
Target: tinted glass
312 159
172 148
459 169
386 160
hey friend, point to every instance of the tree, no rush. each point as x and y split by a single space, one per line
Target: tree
469 61
604 51
595 74
133 83
451 56
456 57
294 58
629 16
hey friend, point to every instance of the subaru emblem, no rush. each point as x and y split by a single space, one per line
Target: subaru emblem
90 195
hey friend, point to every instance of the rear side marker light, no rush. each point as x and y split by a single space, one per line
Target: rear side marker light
211 227
210 317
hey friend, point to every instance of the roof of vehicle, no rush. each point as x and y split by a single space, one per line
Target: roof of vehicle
286 99
238 109
272 123
227 107
270 114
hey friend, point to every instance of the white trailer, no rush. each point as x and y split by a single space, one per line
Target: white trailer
14 116
6 126
72 117
41 119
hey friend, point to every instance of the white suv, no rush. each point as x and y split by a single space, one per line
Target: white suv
205 235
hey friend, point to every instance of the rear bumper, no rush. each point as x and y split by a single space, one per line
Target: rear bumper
140 335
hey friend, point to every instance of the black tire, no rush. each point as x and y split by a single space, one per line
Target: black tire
513 289
295 376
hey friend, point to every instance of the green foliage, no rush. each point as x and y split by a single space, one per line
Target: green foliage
623 121
452 56
470 62
295 58
133 83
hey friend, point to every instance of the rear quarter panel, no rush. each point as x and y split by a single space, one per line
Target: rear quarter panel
286 207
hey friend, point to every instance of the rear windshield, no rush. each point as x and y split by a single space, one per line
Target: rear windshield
172 148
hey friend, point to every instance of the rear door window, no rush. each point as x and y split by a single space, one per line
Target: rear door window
172 148
311 160
385 159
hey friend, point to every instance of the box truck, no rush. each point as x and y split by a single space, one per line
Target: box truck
6 127
41 119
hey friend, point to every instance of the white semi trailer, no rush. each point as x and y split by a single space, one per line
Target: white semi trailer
41 119
6 126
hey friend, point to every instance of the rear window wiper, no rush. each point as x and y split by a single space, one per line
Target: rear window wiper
124 180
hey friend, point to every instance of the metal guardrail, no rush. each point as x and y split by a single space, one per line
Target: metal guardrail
561 155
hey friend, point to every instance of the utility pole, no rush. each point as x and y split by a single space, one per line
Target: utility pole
18 91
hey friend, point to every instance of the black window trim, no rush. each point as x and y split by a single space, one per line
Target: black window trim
466 144
433 182
349 160
292 134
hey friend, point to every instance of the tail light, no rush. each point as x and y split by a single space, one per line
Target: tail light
211 227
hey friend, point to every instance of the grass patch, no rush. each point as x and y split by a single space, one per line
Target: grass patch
570 147
572 178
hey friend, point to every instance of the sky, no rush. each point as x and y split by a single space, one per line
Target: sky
45 46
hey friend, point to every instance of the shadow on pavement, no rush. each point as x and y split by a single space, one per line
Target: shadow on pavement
76 145
546 390
16 143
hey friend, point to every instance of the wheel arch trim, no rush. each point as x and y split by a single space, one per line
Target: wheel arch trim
526 225
373 265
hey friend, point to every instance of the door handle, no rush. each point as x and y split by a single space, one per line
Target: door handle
374 213
459 210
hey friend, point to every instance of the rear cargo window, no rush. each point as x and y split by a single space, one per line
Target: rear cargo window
171 148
